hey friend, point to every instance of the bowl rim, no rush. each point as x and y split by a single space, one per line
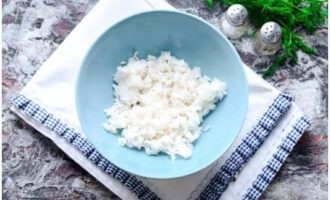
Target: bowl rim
244 82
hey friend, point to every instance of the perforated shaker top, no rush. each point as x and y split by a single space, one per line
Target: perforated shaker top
237 15
270 32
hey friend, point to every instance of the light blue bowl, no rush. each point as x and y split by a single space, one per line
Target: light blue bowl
186 37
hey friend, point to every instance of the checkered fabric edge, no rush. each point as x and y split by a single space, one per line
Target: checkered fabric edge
274 165
40 115
246 149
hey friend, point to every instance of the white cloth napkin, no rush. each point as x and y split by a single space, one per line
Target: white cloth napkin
52 88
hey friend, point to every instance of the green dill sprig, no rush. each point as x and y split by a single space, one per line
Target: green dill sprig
210 3
291 15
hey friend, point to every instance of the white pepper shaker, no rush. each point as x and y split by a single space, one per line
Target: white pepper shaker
269 39
234 21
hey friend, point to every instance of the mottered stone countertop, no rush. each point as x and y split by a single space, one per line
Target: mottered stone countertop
34 168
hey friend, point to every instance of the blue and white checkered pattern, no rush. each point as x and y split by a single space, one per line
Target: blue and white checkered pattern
111 169
230 167
236 158
95 157
274 164
208 196
283 103
244 150
121 176
20 101
252 141
252 194
60 128
247 148
131 182
288 145
300 127
41 115
49 121
218 189
78 142
70 135
281 154
103 164
274 113
222 177
87 149
209 192
139 190
294 135
287 96
31 109
279 157
227 173
260 132
260 184
267 122
268 173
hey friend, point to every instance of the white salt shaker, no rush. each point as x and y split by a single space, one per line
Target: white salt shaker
234 21
269 39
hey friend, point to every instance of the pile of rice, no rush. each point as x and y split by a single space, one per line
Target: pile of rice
160 103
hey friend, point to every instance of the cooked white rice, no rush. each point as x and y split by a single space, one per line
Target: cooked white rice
160 103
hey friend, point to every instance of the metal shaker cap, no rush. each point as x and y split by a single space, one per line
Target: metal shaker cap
236 15
270 32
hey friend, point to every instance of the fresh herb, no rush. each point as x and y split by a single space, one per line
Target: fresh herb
291 15
210 3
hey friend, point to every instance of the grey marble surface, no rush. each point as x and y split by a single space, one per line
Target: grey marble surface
34 168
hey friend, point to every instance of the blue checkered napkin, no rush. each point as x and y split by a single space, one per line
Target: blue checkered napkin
49 121
274 165
246 150
222 178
